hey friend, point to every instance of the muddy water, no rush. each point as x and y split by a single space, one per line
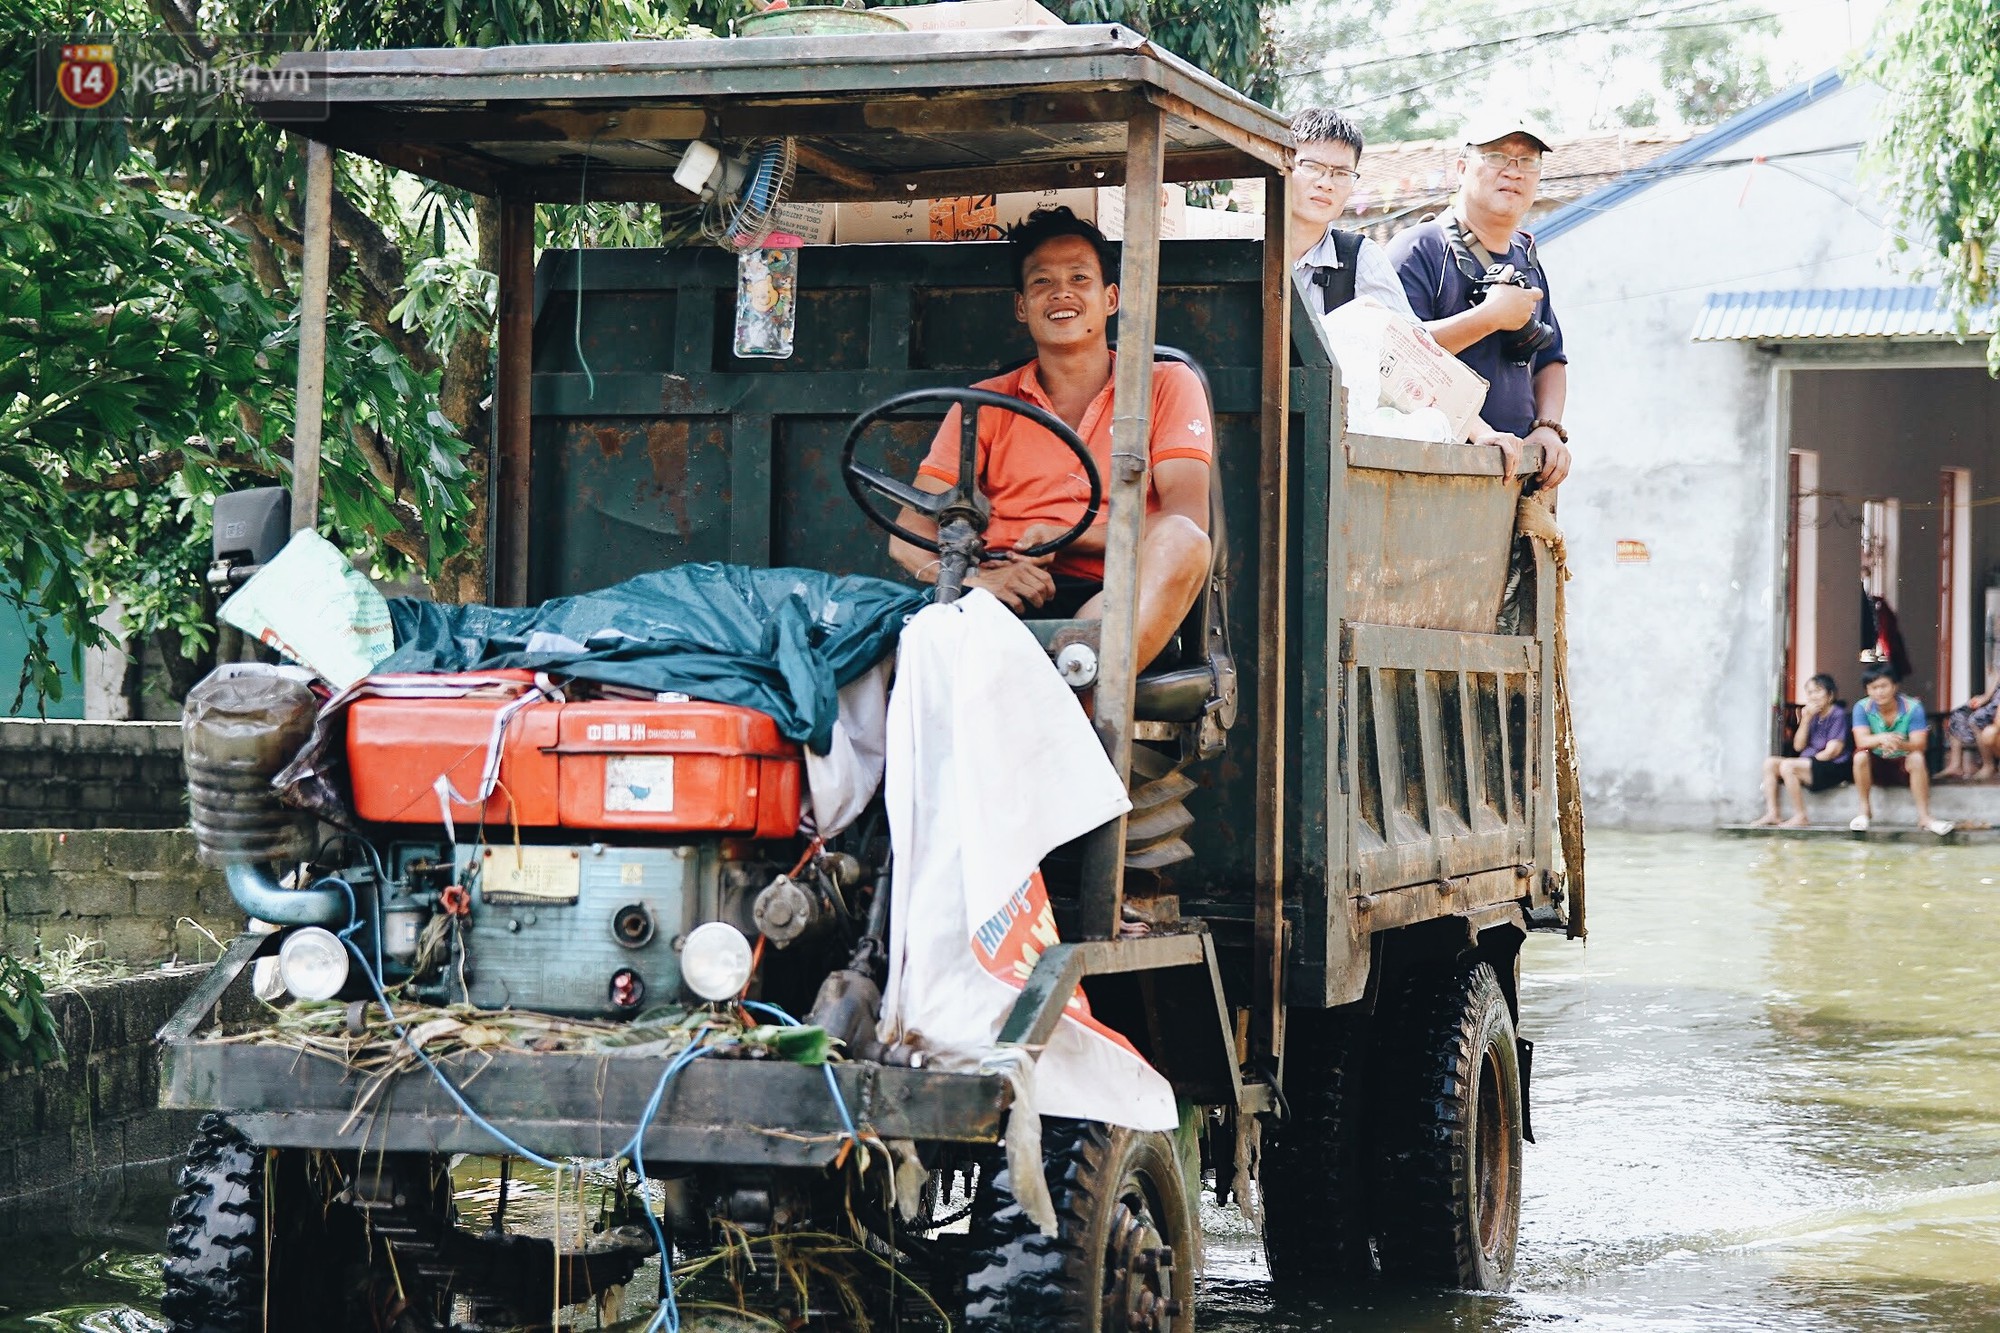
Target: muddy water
1767 1095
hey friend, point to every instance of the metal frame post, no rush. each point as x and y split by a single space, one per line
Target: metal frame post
511 483
309 408
1131 433
1274 553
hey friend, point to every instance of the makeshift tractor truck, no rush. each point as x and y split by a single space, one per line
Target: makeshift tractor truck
1343 771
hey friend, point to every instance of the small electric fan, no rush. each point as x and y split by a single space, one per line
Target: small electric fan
740 194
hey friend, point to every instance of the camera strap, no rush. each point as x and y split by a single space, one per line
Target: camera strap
1466 251
1473 258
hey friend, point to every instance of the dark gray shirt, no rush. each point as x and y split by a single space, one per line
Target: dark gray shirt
1438 289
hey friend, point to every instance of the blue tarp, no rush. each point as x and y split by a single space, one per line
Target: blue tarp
782 641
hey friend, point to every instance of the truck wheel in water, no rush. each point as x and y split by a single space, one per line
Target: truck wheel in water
1125 1251
253 1246
1311 1175
1448 1188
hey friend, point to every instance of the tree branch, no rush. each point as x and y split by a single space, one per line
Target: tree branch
368 443
153 469
185 27
378 262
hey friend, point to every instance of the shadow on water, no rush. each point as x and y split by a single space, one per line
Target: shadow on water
1767 1094
86 1260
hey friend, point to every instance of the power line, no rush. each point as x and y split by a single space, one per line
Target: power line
1541 38
1516 39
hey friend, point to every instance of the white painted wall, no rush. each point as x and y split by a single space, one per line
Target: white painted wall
1673 664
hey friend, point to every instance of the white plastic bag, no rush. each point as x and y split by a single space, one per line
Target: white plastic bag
313 606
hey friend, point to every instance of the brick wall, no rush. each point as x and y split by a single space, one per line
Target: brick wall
100 1110
135 889
74 775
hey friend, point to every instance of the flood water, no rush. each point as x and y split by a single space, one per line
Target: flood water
1766 1093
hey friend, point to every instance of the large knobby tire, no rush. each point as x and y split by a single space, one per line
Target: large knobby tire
218 1253
1312 1173
1449 1184
1126 1240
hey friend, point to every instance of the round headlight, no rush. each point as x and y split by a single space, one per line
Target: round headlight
312 963
715 961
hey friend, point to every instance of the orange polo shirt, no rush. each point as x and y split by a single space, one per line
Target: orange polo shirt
1031 477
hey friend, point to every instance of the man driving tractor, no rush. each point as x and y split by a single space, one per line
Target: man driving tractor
1066 285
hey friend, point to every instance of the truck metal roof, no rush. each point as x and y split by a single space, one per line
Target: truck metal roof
875 116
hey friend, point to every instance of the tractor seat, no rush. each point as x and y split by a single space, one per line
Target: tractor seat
1195 674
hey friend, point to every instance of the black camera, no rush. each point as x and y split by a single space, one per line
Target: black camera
1520 345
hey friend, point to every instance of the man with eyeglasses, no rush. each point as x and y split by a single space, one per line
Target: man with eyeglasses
1505 330
1334 266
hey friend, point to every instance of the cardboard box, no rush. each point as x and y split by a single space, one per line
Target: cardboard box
978 217
811 223
890 220
985 217
976 14
1418 373
1215 224
1110 217
1014 208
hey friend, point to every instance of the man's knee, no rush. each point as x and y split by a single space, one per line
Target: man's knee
1178 545
1914 762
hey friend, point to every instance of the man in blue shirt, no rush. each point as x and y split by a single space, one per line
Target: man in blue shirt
1441 261
1891 740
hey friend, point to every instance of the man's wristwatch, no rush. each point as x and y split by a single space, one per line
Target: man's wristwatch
1555 426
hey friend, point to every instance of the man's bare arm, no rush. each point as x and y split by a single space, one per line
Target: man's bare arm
915 558
1021 585
1182 485
1551 395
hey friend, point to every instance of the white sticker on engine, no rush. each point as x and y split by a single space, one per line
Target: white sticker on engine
639 783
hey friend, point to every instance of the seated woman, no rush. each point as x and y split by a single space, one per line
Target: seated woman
1821 741
1972 733
1891 735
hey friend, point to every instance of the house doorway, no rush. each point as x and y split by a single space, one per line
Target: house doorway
1889 500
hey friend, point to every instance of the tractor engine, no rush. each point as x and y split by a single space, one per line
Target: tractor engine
513 847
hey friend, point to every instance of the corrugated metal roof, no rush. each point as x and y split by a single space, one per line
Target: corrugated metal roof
1830 312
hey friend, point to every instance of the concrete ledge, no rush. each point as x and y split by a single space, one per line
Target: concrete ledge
1877 833
100 1111
18 733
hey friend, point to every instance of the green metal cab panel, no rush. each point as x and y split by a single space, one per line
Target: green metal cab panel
1416 732
668 448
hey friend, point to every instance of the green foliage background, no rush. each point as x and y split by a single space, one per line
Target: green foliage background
147 290
1937 148
28 1036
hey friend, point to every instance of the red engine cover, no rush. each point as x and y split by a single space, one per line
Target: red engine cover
610 764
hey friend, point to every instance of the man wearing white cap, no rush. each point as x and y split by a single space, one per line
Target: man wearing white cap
1474 279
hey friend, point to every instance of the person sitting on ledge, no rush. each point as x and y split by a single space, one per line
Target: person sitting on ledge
1889 727
1972 733
1822 761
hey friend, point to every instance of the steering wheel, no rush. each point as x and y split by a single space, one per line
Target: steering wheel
963 501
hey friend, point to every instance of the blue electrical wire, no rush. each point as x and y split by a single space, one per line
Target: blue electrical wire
667 1318
833 1083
